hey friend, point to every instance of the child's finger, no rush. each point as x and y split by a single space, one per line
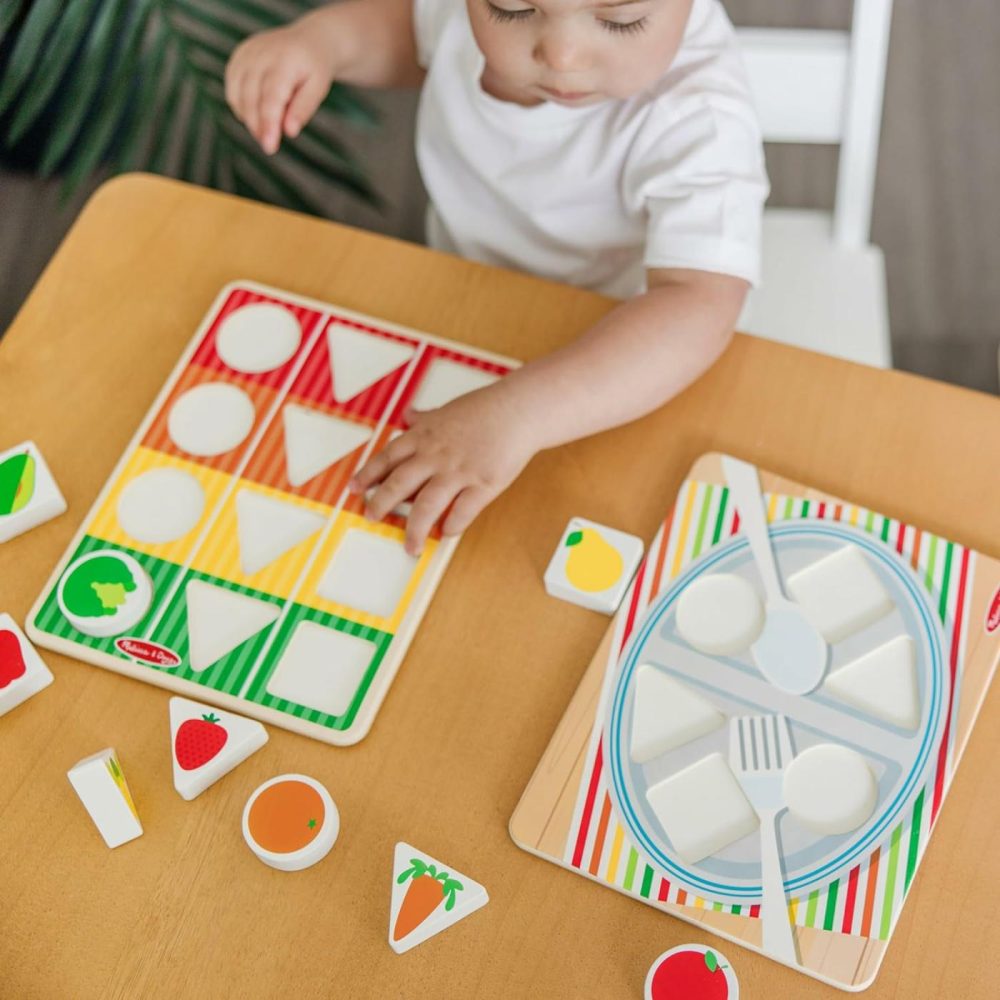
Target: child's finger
249 102
431 503
467 507
381 464
275 90
305 100
399 485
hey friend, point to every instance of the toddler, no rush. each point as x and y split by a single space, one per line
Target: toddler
611 144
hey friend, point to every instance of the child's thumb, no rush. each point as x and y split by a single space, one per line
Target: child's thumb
306 99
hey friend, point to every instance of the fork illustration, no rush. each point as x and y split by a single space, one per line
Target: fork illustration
760 748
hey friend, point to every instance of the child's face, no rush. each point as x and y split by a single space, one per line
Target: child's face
576 52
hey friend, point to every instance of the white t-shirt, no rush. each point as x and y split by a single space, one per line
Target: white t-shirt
671 177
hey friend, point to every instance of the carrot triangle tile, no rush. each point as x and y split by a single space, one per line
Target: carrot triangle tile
427 898
207 743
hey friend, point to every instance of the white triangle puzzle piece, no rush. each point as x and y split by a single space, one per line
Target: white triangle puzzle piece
446 380
207 743
667 715
882 683
268 528
358 360
219 620
421 890
315 441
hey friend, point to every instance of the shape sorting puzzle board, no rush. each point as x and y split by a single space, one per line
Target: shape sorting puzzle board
225 558
919 630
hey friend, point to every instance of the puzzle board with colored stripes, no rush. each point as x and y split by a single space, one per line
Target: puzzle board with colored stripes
586 807
225 558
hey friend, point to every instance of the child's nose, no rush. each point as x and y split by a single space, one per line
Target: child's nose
561 52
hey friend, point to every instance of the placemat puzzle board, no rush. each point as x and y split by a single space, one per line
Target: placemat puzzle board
585 807
225 558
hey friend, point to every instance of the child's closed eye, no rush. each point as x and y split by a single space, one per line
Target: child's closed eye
503 15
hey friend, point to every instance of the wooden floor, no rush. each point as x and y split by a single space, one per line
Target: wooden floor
937 203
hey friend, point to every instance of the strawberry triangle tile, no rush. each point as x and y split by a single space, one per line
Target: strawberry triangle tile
427 898
207 743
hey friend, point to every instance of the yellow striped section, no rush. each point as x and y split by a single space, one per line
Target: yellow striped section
105 522
347 521
855 514
793 909
220 555
772 507
691 489
616 850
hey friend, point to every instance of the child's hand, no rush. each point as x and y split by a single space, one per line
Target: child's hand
276 80
463 454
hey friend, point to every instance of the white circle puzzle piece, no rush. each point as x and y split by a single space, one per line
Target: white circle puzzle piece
830 789
720 614
161 506
291 822
211 419
258 338
104 593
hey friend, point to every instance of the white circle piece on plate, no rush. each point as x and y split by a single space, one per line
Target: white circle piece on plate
104 593
160 506
830 789
211 419
720 614
291 822
258 338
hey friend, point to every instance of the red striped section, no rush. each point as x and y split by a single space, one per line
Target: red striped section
661 556
664 891
206 355
953 664
849 899
736 523
755 911
634 603
900 538
821 513
588 809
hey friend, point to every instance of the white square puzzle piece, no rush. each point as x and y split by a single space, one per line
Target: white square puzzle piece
593 565
22 672
702 808
104 792
321 668
29 495
207 743
427 898
368 573
840 593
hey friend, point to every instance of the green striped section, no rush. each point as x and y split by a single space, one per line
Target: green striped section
633 860
831 904
914 850
721 516
647 882
699 537
298 614
228 674
51 620
946 576
811 908
890 884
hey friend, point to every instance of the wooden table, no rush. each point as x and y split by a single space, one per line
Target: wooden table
186 910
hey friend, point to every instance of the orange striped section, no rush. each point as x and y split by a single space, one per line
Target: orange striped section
866 913
602 832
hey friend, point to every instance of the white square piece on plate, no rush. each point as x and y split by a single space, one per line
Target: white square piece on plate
593 565
321 668
104 792
22 672
702 808
29 495
368 572
840 593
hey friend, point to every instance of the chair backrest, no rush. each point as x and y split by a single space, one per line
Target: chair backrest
819 86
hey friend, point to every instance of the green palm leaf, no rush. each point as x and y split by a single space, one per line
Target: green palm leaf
138 84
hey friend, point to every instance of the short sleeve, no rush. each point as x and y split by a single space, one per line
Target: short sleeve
429 20
698 174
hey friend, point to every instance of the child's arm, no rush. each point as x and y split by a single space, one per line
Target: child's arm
276 80
636 358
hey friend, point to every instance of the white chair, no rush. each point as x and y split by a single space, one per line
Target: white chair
823 283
